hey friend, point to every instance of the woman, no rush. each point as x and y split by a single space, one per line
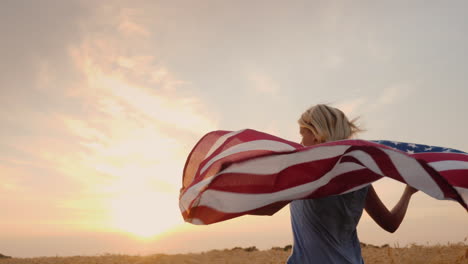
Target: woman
324 229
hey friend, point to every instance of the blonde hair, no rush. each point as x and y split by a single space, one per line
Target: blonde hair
328 123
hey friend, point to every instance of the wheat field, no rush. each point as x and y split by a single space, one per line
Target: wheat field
414 254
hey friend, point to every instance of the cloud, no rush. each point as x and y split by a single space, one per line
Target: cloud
107 141
130 134
129 25
262 82
351 107
7 182
367 106
334 61
377 48
392 94
396 92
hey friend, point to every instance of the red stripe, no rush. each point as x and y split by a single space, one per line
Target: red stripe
447 189
440 156
243 137
350 159
456 177
251 135
299 174
247 136
289 177
295 175
382 160
342 183
196 156
209 215
223 163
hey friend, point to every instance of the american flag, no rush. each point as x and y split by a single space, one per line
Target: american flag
233 173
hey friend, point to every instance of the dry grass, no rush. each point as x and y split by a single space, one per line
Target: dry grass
448 254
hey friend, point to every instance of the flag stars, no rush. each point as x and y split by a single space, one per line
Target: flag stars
427 149
412 145
410 151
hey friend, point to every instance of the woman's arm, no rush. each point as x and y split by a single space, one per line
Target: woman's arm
388 220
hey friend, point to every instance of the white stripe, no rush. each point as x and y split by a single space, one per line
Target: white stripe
409 169
249 146
264 165
356 188
463 193
277 163
192 192
449 165
368 162
196 221
414 174
221 140
365 159
230 202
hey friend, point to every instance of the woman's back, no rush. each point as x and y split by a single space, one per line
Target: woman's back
324 229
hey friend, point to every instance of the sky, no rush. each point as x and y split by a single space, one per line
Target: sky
102 102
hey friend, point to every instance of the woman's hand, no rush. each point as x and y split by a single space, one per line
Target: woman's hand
388 220
410 190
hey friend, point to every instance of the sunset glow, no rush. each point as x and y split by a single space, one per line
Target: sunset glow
141 215
103 102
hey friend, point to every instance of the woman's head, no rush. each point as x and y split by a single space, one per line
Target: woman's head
322 123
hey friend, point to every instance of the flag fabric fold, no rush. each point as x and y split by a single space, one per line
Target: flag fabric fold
233 173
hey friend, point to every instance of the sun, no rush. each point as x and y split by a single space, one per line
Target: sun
144 215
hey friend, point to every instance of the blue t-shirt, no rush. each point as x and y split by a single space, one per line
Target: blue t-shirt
324 229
